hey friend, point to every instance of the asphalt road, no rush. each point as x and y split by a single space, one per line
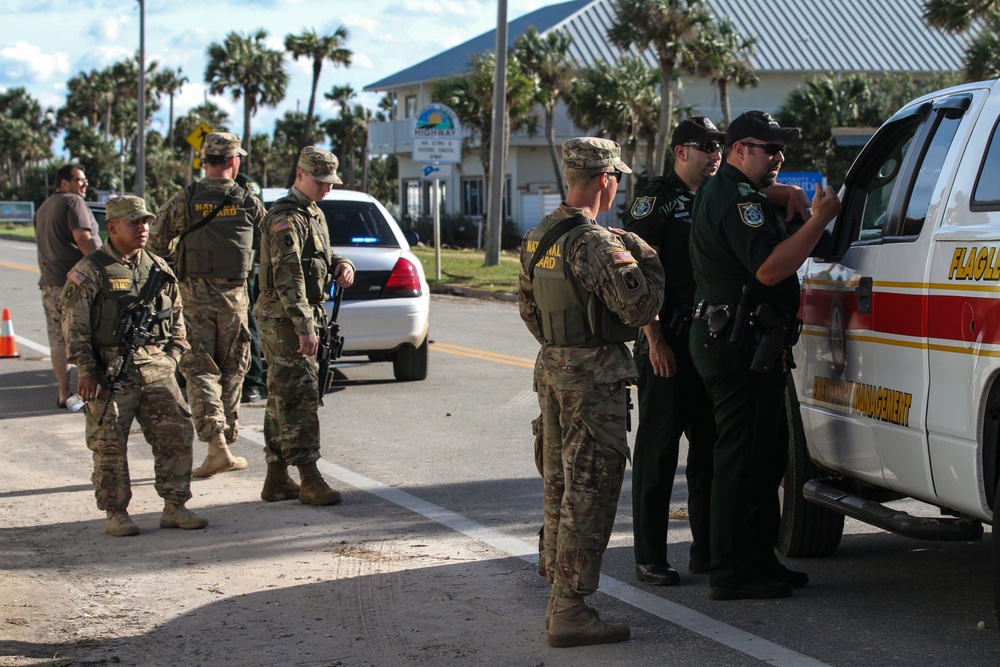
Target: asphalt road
456 450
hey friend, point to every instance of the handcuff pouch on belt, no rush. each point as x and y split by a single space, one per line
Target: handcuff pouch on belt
719 317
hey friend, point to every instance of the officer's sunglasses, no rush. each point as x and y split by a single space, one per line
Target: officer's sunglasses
616 173
770 149
706 146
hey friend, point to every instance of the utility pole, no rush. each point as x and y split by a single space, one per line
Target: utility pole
140 147
494 221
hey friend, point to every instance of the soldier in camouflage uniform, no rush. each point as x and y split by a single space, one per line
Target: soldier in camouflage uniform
97 289
213 260
589 290
297 266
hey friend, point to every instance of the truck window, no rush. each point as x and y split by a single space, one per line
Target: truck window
928 172
986 193
874 182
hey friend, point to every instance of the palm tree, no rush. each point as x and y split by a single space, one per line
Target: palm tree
620 103
547 59
951 16
471 97
169 82
26 133
669 26
328 47
250 71
722 54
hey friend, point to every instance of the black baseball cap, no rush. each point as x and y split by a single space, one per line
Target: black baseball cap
695 128
759 125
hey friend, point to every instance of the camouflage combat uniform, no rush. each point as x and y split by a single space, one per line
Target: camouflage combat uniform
149 393
296 267
581 445
216 301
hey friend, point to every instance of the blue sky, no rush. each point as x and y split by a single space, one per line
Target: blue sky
47 42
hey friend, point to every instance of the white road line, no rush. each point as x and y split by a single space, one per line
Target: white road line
44 349
698 623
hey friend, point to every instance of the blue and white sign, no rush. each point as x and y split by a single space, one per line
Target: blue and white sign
435 172
437 135
807 180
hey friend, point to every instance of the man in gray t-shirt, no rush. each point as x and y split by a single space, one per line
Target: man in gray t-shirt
65 231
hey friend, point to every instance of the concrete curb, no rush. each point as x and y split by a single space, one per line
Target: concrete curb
471 292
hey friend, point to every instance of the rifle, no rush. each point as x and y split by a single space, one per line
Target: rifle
134 329
331 345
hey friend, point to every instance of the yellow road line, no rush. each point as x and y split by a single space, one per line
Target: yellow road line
20 267
473 353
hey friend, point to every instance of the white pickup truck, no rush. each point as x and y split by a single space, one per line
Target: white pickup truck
897 380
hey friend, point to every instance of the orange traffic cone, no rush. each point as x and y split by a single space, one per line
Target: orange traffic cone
8 346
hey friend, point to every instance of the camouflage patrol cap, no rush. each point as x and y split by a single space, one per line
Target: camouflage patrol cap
320 164
593 153
128 207
222 144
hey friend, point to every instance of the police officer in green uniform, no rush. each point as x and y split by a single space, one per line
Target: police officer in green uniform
582 292
672 398
297 266
745 263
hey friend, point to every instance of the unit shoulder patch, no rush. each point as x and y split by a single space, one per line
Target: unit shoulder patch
643 206
751 214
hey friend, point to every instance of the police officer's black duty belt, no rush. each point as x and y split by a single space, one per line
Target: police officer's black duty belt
703 311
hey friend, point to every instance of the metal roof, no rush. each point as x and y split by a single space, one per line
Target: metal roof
792 36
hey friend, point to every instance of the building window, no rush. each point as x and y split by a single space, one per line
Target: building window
419 195
411 106
474 198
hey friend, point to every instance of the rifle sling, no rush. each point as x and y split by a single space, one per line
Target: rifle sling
549 239
211 216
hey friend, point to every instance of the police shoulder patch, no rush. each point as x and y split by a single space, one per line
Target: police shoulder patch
751 214
643 206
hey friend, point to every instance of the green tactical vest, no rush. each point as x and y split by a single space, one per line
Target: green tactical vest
315 257
569 315
118 291
224 247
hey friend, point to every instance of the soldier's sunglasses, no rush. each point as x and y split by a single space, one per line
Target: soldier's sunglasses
705 147
616 173
770 149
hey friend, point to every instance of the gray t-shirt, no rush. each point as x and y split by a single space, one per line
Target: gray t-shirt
55 221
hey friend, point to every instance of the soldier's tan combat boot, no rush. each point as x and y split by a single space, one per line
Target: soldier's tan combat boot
314 489
552 599
278 485
120 524
573 625
219 459
175 515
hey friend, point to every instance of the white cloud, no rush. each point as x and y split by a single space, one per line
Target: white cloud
443 7
361 61
26 62
111 28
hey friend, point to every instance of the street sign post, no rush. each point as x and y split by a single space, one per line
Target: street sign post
437 138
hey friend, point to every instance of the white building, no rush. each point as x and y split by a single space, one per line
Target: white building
795 39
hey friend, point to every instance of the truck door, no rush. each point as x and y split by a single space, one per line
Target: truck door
835 359
896 397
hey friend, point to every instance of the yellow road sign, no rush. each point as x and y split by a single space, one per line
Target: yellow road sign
196 163
197 138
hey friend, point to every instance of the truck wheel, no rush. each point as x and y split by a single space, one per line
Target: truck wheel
995 536
807 530
410 363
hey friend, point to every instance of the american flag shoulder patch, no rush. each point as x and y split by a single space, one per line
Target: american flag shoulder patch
622 257
76 277
282 225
